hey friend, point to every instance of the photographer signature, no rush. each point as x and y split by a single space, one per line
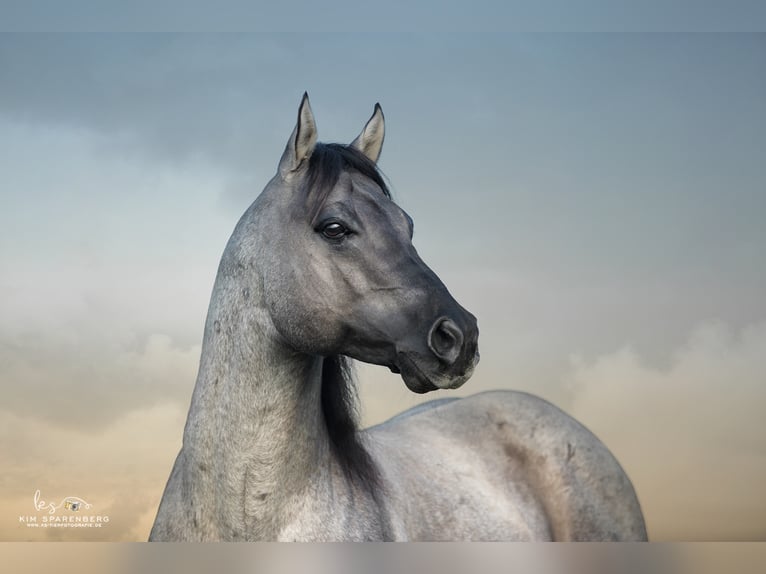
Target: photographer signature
73 501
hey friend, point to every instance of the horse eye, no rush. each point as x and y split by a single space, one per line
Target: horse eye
334 230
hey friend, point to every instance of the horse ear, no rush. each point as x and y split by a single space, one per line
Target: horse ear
370 141
302 141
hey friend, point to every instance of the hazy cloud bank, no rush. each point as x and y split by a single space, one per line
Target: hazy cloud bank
120 470
692 436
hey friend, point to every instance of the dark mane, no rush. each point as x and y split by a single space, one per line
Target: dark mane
327 162
339 399
339 407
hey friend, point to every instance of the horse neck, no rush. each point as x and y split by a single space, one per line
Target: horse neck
255 435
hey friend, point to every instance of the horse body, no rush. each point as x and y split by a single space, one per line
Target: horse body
319 268
504 465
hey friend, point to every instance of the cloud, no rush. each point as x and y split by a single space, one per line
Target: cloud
690 436
121 471
163 96
105 276
87 386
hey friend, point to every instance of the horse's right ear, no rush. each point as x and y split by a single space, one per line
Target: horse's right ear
302 141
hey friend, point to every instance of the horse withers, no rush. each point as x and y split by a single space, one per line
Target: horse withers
319 269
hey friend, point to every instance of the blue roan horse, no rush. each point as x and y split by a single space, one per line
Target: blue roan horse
320 268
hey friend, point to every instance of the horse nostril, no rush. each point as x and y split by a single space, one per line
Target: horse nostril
445 340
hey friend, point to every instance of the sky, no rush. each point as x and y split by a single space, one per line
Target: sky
596 200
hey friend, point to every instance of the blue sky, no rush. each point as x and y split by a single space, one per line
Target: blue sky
596 200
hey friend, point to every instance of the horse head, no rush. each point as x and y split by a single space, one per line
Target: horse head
339 274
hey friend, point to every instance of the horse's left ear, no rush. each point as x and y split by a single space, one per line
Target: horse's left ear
370 141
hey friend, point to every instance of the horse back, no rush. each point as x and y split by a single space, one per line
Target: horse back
502 465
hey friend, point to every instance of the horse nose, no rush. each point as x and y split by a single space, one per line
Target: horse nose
445 339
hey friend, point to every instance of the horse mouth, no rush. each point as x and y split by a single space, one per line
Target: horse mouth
419 382
415 379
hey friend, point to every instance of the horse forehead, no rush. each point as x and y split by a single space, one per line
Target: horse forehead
367 197
352 184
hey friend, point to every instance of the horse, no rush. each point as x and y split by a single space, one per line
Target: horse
319 271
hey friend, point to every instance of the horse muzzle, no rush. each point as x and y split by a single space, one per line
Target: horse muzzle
448 360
